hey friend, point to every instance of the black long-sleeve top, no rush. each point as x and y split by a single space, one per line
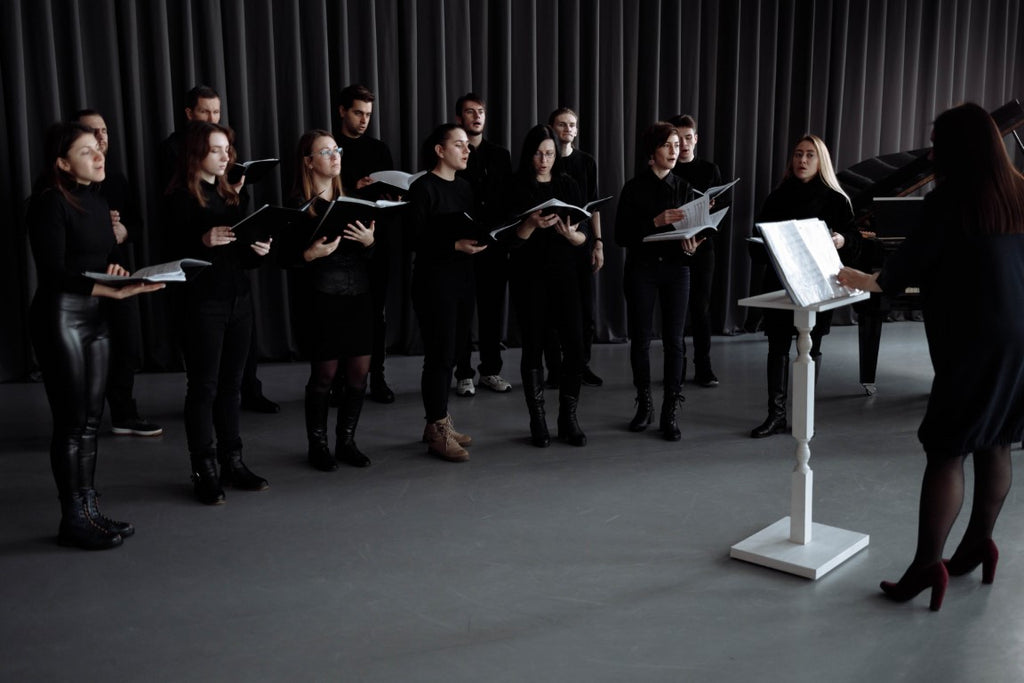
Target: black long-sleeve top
545 249
118 193
188 222
362 156
345 271
794 199
488 172
438 221
641 200
67 241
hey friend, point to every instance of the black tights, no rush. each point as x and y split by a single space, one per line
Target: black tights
322 372
942 494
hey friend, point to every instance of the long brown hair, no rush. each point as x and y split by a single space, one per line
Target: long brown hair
971 158
190 161
304 186
60 138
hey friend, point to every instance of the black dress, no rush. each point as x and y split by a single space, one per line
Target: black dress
972 292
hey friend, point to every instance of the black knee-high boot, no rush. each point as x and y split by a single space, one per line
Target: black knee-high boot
568 399
533 388
78 527
348 418
778 384
319 453
88 467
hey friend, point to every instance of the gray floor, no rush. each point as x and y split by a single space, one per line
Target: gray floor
606 563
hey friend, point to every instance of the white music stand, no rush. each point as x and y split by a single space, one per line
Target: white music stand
794 544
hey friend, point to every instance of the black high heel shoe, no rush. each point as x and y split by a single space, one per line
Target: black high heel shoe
987 556
912 583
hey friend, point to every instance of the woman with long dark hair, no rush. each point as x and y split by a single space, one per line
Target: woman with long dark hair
339 311
967 256
70 231
443 283
219 309
809 189
544 285
649 204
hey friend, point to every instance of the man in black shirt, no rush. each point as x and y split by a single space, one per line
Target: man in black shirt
123 315
582 168
488 171
701 174
362 155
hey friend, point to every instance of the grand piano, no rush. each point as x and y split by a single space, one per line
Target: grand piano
868 183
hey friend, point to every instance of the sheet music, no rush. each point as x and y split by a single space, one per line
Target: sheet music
806 260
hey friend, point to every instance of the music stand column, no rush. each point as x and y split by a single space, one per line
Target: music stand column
795 544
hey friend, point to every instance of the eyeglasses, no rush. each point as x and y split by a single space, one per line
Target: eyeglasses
328 152
544 155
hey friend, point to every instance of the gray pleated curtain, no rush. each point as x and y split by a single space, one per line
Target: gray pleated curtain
868 76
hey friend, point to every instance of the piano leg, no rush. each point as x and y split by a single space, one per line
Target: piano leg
869 336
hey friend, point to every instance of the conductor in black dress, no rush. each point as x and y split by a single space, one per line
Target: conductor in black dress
967 255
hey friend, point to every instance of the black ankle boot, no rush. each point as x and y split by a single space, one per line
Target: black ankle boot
568 427
778 383
234 473
78 529
204 480
669 427
319 453
348 418
87 474
533 388
644 410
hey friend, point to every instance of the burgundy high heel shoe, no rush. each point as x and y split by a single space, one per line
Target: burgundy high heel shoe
934 575
987 557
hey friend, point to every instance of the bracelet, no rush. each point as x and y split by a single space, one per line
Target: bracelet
598 239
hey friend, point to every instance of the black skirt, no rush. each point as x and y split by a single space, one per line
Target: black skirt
339 326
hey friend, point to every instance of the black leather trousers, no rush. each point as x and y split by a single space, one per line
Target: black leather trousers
69 332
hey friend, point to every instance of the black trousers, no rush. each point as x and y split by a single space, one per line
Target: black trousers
585 286
547 302
492 270
69 333
125 323
380 276
669 283
702 276
217 336
443 300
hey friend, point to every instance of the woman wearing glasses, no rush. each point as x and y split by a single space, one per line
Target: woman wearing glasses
544 286
338 311
219 308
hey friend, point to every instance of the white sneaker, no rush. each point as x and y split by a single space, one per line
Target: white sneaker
495 383
465 387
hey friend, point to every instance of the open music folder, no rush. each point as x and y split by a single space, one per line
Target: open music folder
805 259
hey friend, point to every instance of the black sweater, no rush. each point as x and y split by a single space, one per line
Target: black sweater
545 250
438 221
67 241
345 271
188 222
641 200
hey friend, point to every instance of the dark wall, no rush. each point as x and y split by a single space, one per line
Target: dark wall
868 76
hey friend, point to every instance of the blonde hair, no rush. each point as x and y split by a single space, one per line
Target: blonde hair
825 169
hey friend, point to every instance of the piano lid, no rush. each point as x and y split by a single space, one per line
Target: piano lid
900 174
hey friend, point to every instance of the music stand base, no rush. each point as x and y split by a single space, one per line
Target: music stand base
828 549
